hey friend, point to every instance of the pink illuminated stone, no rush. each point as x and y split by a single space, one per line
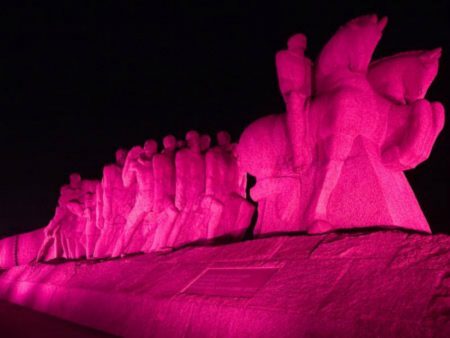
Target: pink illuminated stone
380 283
336 158
230 282
91 232
138 169
189 190
114 203
58 241
230 212
165 181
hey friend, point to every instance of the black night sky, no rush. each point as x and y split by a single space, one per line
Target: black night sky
80 80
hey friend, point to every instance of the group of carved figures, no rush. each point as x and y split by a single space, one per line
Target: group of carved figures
334 160
150 201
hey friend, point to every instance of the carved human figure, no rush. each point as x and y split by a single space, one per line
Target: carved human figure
294 71
164 203
205 214
221 168
190 172
348 114
362 122
205 143
344 97
189 188
114 202
277 148
138 168
164 174
82 235
54 245
92 232
230 213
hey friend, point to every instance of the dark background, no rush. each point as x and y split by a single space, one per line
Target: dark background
80 80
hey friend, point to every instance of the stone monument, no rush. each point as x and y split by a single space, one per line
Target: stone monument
335 160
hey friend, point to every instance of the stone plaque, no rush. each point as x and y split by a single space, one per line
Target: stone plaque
230 282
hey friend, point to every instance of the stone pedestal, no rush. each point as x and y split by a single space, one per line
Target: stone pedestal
384 283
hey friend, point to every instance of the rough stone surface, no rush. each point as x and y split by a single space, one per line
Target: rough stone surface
384 283
20 249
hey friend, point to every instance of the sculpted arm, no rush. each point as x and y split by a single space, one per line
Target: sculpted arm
128 172
75 207
271 186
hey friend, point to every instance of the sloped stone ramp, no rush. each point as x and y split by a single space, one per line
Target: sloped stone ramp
372 284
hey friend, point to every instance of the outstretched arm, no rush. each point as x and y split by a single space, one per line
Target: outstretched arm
75 207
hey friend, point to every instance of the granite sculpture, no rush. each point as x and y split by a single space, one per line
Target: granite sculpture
55 244
336 158
225 190
91 232
138 169
114 203
164 207
189 189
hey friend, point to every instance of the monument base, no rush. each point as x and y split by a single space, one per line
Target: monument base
383 283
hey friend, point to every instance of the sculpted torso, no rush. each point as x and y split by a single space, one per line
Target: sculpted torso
139 169
112 177
190 177
164 175
221 173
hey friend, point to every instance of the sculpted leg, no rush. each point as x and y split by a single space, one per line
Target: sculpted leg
213 209
91 239
165 224
335 150
107 210
298 129
46 245
135 217
241 215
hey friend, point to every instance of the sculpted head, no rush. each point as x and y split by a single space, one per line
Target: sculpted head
193 140
223 138
150 147
89 186
297 43
75 180
169 142
121 155
205 142
135 152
